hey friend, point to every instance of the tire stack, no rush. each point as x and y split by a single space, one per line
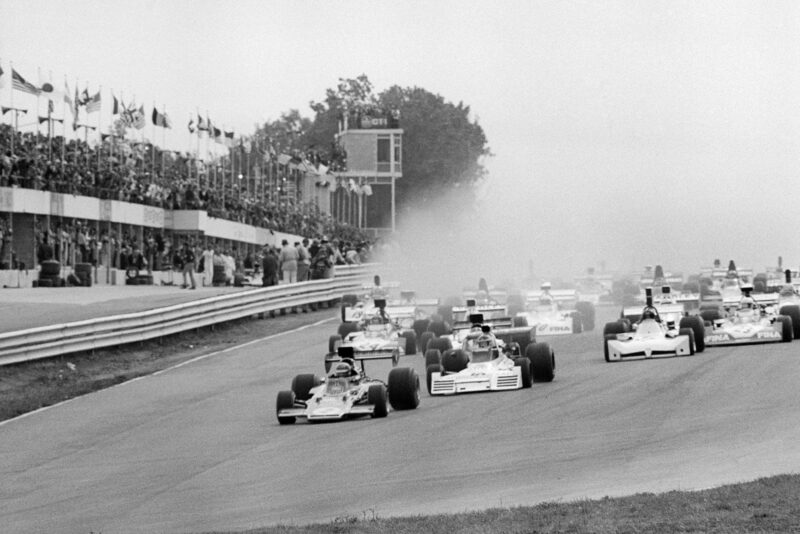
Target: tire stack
83 271
218 278
50 274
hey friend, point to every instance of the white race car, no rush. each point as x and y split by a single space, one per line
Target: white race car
484 361
347 392
653 334
754 319
556 312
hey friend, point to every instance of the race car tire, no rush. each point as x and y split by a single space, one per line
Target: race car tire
439 328
690 333
759 286
577 324
44 282
421 326
787 330
793 311
441 343
50 267
218 277
411 342
347 328
302 384
285 400
543 361
403 388
429 370
710 314
523 339
617 327
349 299
525 367
424 340
455 360
606 339
83 268
73 280
518 320
433 357
587 312
333 343
376 394
697 324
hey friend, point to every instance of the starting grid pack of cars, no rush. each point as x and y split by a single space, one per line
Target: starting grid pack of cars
489 343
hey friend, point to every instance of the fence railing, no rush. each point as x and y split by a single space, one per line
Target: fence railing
46 341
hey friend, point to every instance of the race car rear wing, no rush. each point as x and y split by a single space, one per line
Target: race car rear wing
559 295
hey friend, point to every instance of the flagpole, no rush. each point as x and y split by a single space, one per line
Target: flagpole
39 74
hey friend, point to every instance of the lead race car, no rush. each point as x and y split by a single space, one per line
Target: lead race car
750 321
347 392
484 361
657 331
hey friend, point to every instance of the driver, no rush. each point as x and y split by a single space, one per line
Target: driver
345 369
484 342
649 313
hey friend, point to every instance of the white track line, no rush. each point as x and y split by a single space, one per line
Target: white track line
176 366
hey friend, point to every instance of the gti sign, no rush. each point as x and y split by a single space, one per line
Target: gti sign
374 122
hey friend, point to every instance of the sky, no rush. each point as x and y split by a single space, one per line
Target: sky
623 133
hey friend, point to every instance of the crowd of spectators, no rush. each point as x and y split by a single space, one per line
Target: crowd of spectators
142 173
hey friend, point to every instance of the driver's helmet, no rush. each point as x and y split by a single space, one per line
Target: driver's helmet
375 323
545 300
343 369
484 342
649 313
482 296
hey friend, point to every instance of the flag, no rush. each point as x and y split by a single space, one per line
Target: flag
6 110
50 106
191 125
138 118
93 103
161 119
84 98
45 119
19 83
228 139
115 105
202 125
217 134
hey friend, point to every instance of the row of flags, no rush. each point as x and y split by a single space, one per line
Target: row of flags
131 115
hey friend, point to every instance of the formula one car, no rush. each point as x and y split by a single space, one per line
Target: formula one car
656 332
377 336
750 321
347 392
555 312
484 361
488 302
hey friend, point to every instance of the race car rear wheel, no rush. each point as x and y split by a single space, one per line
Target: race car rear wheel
424 340
617 327
441 344
349 299
519 320
525 367
433 357
376 394
455 360
302 384
429 370
689 332
347 328
285 401
710 314
606 339
787 331
333 342
586 309
445 312
523 339
697 324
403 388
420 326
411 342
543 361
438 327
793 311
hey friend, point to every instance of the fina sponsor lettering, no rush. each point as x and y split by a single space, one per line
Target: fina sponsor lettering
768 334
716 338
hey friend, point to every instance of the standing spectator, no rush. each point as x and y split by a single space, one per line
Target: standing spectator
313 248
304 260
338 259
188 265
322 262
288 261
82 241
351 256
270 265
208 264
45 250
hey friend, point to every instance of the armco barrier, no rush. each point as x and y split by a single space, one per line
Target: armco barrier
47 341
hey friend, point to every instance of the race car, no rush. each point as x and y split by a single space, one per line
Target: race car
555 312
377 336
347 392
483 361
488 302
656 331
750 321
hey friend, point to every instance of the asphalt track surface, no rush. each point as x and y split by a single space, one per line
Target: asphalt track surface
198 447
